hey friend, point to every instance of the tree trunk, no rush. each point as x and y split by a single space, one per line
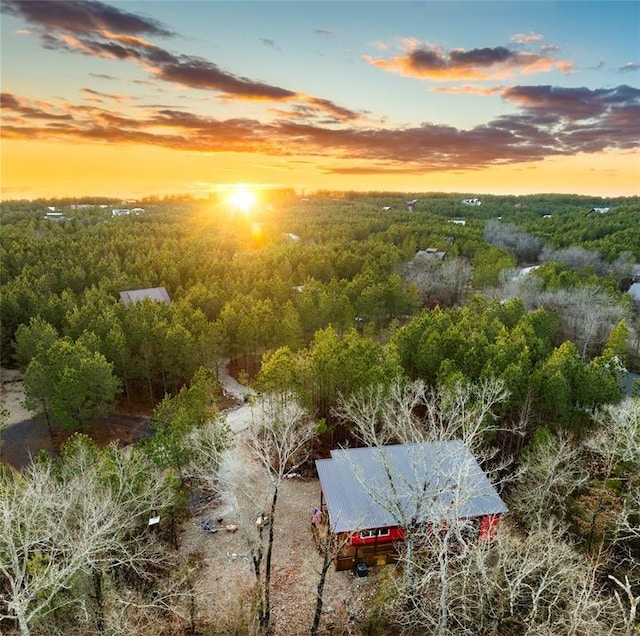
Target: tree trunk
98 596
265 616
409 568
319 595
22 622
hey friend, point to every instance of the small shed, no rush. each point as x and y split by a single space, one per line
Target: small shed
431 482
159 294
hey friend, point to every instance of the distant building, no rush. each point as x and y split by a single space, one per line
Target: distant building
431 253
121 212
634 292
54 216
294 238
600 210
159 294
458 221
472 202
82 206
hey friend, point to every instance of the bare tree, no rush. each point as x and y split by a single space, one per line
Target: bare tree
80 517
442 282
618 437
413 412
633 600
279 437
509 236
551 472
329 546
617 443
587 314
208 444
525 584
35 564
574 257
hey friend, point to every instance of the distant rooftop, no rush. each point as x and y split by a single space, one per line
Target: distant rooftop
158 294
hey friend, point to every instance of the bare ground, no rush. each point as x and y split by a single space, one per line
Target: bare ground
12 395
225 577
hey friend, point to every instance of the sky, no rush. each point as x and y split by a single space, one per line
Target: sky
129 99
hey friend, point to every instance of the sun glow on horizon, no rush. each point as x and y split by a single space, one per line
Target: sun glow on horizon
242 198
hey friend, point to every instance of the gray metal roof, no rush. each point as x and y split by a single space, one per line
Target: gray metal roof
376 487
158 294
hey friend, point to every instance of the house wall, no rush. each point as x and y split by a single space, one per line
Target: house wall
395 534
377 551
488 526
373 555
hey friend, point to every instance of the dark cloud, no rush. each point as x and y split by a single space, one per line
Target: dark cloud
202 74
10 104
270 43
483 57
427 61
114 96
327 106
80 17
96 29
103 76
551 121
572 104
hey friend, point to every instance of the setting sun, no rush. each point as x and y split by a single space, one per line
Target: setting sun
242 199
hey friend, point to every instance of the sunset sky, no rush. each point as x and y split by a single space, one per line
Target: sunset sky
129 99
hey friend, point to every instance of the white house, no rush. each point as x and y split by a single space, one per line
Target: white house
475 202
634 292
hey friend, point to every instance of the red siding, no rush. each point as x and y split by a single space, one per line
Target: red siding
395 534
489 526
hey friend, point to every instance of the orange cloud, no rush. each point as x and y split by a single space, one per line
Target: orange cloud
469 89
426 61
553 121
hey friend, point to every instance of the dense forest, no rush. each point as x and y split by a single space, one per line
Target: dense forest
321 301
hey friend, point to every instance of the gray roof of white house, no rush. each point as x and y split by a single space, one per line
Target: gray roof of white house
158 294
377 487
634 291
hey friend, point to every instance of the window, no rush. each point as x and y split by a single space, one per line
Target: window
371 534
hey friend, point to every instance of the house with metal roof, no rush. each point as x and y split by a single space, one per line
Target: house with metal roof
159 294
371 496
